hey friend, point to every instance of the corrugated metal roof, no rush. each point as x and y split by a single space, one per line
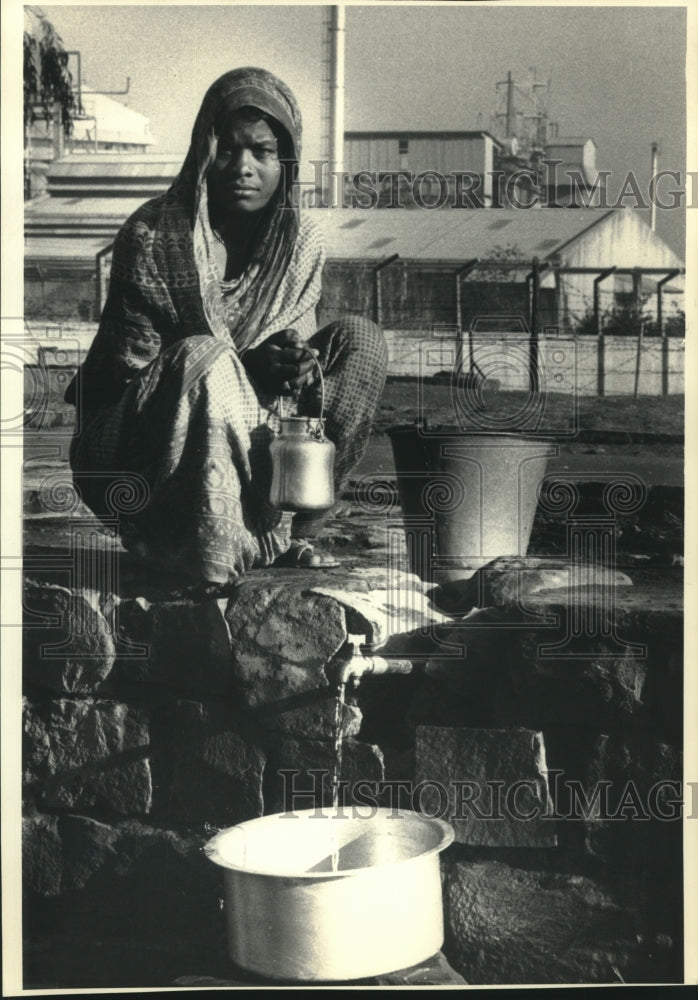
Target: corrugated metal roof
417 134
55 248
456 234
165 165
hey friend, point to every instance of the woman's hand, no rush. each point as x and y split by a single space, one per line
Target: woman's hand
281 364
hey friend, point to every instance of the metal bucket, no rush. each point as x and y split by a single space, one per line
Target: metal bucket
292 917
467 498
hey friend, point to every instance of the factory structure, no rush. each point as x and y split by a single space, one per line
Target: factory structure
418 269
105 126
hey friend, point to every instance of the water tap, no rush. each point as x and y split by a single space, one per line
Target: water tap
354 662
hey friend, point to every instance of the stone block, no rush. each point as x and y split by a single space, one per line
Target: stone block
507 925
313 720
42 861
463 664
598 686
300 772
188 644
74 652
35 748
122 882
217 774
87 847
490 784
282 637
97 755
633 790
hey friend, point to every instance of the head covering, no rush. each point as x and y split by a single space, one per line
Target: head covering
165 284
242 88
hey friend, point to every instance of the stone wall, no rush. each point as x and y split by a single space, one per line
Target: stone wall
151 722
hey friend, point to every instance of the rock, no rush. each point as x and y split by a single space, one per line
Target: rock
282 637
35 748
397 605
663 692
188 645
463 664
75 653
509 580
601 687
490 784
434 972
634 791
507 925
314 720
646 611
290 783
42 860
97 755
121 882
87 847
217 776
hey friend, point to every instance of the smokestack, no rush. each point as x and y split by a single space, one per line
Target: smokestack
337 35
653 207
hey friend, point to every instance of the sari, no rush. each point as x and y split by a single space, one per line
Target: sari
163 392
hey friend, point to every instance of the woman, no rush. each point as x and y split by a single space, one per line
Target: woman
212 295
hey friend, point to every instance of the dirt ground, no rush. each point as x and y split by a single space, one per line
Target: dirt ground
404 399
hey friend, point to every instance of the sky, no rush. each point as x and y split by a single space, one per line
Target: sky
617 74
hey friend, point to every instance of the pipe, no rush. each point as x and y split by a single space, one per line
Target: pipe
510 104
337 38
358 664
653 174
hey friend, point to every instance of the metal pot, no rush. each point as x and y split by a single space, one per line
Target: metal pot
302 466
292 917
302 461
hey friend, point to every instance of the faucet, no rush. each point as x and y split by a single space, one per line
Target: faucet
354 663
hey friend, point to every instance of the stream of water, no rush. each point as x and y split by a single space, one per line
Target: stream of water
337 768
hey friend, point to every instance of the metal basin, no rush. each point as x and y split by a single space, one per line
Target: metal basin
292 917
467 498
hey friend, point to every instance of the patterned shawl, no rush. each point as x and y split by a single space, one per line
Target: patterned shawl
165 284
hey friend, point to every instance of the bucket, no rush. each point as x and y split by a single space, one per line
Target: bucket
291 916
467 498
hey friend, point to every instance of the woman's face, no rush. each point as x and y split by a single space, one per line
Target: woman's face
245 174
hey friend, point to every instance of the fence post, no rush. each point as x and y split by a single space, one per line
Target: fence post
377 292
637 300
459 275
661 326
533 343
598 326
